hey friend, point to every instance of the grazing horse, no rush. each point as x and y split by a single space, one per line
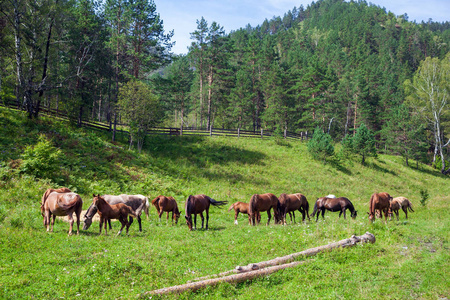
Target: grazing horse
263 202
397 203
118 211
291 203
196 205
380 201
168 204
242 207
340 204
61 202
138 203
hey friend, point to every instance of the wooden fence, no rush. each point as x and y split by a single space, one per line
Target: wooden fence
188 131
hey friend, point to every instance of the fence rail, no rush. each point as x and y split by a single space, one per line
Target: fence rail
176 131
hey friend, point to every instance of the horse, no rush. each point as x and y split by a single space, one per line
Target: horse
340 204
263 202
397 203
291 203
118 211
138 203
61 202
242 207
196 205
380 201
166 204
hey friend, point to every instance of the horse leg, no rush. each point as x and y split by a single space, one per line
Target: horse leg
405 209
293 214
396 213
269 216
195 221
109 222
53 221
167 217
323 214
139 222
70 217
203 219
124 223
344 213
101 225
207 218
236 214
78 222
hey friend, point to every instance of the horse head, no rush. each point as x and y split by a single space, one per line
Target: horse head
88 216
354 214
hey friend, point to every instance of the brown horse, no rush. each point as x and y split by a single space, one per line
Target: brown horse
380 201
340 204
138 203
397 203
166 204
118 211
291 203
242 207
263 202
61 202
196 205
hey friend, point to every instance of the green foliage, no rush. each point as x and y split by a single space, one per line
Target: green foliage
321 145
424 195
42 160
362 143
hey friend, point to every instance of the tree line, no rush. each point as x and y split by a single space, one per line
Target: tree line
333 65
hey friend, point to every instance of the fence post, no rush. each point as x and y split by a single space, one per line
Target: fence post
181 129
239 132
210 130
284 132
261 133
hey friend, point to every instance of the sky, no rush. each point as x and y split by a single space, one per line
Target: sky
182 15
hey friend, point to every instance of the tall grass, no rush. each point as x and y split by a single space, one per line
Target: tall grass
410 258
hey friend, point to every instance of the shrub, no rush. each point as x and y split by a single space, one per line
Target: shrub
320 146
424 195
41 160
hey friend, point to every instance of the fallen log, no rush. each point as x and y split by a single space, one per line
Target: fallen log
252 271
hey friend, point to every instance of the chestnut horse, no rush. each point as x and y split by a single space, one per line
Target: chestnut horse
118 211
380 201
61 202
340 204
196 205
242 207
290 203
168 204
263 202
397 203
138 203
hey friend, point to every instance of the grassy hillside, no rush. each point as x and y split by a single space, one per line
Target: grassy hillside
409 260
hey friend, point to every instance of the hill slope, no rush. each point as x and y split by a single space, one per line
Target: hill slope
411 255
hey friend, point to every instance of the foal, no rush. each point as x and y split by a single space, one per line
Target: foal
118 211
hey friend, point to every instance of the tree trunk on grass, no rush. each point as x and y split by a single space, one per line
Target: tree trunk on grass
264 268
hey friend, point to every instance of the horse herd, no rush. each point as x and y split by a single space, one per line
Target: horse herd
64 202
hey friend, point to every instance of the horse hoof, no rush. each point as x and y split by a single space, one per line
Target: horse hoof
235 222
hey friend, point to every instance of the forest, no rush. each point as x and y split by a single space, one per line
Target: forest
332 66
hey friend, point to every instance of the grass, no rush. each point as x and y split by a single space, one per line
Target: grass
410 258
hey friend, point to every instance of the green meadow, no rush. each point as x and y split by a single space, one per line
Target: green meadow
409 260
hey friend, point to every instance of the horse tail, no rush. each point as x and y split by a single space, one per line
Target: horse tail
187 206
217 203
372 203
131 212
252 204
155 203
410 206
315 210
306 207
76 204
146 206
231 207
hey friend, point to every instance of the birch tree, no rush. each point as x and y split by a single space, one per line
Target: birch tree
428 94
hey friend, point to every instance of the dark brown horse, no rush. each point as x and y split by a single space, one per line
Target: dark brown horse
290 203
61 202
340 204
263 202
380 201
242 207
196 205
397 203
118 211
166 204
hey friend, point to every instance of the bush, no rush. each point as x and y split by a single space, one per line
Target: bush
41 160
320 146
424 195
